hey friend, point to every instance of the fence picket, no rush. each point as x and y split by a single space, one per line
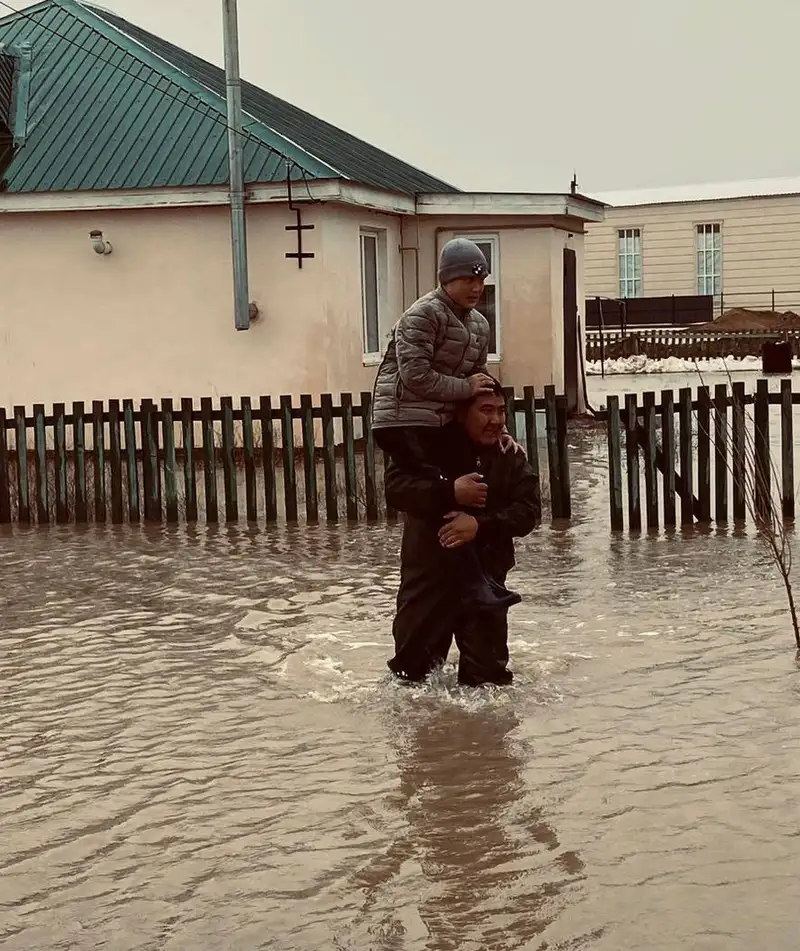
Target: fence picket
40 465
615 463
329 458
370 478
249 450
787 450
632 462
650 473
721 453
551 428
60 427
738 452
704 454
531 441
99 461
685 453
151 473
309 458
5 494
189 474
668 456
79 451
115 452
130 455
170 461
23 492
229 461
268 459
350 476
762 472
209 460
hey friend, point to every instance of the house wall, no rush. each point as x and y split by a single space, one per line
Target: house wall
155 318
760 249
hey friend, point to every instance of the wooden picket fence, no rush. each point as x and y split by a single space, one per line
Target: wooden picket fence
123 462
685 344
717 463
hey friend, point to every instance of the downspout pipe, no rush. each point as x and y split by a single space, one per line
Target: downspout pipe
233 86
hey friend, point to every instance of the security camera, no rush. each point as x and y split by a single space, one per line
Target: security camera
100 245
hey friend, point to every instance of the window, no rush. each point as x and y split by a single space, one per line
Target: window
371 291
630 263
489 304
709 259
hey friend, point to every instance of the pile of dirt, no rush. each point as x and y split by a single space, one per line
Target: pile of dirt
743 319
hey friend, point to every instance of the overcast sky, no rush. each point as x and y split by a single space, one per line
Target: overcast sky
505 95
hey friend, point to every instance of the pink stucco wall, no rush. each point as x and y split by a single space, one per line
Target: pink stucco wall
155 318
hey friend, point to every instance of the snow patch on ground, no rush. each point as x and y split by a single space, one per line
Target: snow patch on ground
643 364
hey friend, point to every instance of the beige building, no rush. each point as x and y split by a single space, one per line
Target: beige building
143 168
739 242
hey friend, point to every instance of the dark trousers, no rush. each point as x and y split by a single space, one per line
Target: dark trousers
429 617
411 447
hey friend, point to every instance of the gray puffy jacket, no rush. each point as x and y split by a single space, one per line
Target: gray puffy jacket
433 348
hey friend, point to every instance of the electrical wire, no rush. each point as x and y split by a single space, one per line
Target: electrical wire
210 114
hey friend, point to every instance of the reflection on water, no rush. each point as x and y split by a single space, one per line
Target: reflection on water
202 748
488 866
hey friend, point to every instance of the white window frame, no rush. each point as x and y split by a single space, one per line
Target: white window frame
703 231
626 278
493 280
381 267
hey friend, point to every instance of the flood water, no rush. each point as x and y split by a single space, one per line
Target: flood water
201 748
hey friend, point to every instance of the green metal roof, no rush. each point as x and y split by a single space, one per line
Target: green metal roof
111 106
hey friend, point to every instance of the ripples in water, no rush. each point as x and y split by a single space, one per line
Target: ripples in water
202 749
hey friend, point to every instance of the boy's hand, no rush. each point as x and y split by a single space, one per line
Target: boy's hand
459 530
470 490
507 443
480 383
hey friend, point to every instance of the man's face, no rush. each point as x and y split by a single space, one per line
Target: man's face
485 419
465 291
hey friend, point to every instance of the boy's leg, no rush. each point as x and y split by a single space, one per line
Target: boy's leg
408 447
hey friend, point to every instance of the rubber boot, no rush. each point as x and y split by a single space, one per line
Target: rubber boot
477 589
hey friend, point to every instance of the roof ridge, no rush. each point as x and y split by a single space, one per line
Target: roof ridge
86 13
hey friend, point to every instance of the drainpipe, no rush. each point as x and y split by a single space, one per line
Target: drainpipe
233 85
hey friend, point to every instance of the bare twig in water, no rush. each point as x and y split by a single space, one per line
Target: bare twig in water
768 521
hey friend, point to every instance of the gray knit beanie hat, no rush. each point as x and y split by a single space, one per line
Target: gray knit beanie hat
461 258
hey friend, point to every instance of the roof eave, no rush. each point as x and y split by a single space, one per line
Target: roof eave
499 203
314 191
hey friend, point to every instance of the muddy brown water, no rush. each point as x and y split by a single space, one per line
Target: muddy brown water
201 748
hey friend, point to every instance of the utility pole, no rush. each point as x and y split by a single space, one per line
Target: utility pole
233 85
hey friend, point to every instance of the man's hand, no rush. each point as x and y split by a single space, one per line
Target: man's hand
480 383
459 530
507 443
471 490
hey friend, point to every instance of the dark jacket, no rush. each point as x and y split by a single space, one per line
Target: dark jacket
513 509
433 348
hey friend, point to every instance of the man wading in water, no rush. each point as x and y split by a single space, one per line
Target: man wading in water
497 500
